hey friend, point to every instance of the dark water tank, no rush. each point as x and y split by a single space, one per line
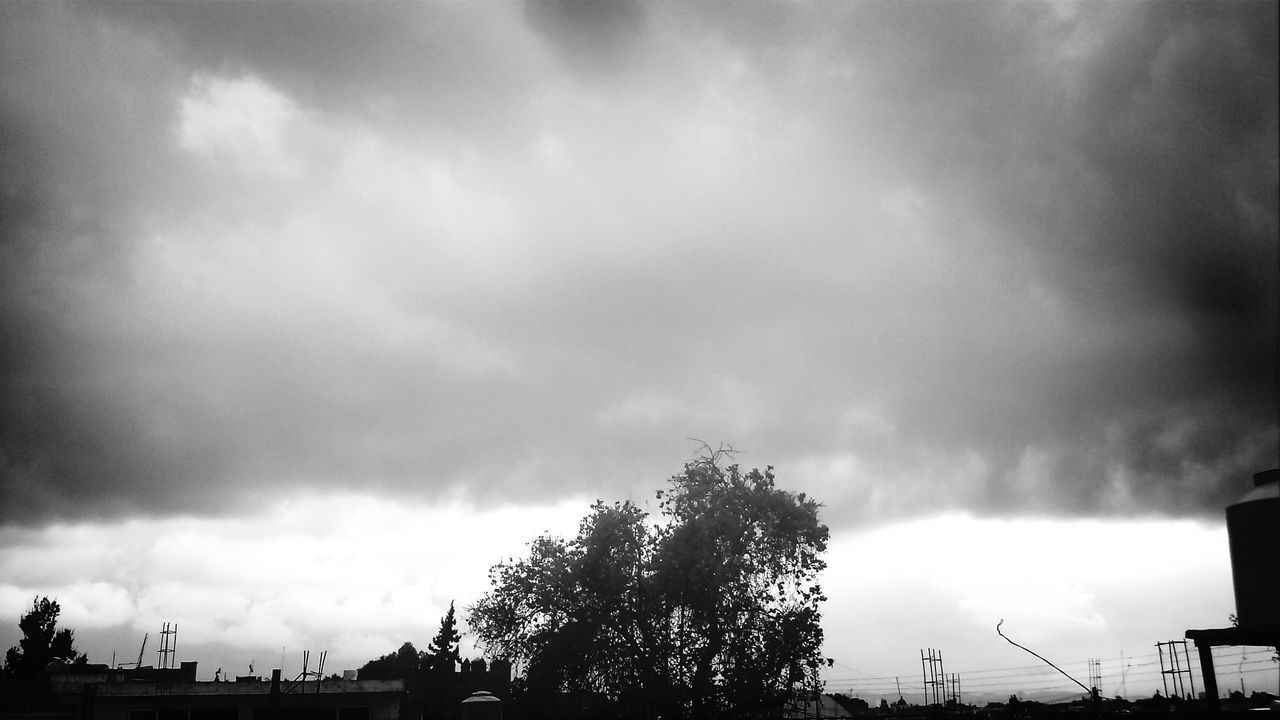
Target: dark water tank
1253 531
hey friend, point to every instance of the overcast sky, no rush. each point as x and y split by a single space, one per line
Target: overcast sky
375 292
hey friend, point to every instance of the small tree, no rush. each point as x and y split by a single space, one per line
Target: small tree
442 653
41 641
438 681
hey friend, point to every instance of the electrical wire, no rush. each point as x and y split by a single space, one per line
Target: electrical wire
1035 679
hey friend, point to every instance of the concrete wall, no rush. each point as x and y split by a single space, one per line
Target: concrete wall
333 700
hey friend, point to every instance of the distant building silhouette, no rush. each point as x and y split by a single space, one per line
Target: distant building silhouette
477 676
98 692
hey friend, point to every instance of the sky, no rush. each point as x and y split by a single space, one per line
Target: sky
310 312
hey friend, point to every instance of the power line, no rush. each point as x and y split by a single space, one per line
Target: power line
1141 668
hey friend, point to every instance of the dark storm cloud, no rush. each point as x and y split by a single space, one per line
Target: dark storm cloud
594 38
434 64
1014 257
1167 233
1123 159
109 407
78 104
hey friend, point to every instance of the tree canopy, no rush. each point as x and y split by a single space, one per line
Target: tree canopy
42 642
713 609
401 664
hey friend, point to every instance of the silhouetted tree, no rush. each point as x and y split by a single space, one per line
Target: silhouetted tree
439 680
714 610
401 664
854 704
41 641
442 653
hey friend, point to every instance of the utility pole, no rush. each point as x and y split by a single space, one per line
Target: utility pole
935 680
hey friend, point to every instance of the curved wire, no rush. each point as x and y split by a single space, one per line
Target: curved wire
1055 667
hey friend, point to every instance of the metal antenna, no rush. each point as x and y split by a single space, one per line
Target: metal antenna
935 680
168 648
1177 668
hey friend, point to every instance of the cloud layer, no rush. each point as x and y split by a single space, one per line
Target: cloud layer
1015 258
344 572
358 577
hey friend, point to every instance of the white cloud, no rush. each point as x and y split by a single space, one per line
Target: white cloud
358 575
243 121
315 571
1072 589
84 605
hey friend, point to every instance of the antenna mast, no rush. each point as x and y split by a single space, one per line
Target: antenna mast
168 648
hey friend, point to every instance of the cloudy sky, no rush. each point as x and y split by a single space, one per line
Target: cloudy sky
311 311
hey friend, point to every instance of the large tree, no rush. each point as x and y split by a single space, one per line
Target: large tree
42 642
714 609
